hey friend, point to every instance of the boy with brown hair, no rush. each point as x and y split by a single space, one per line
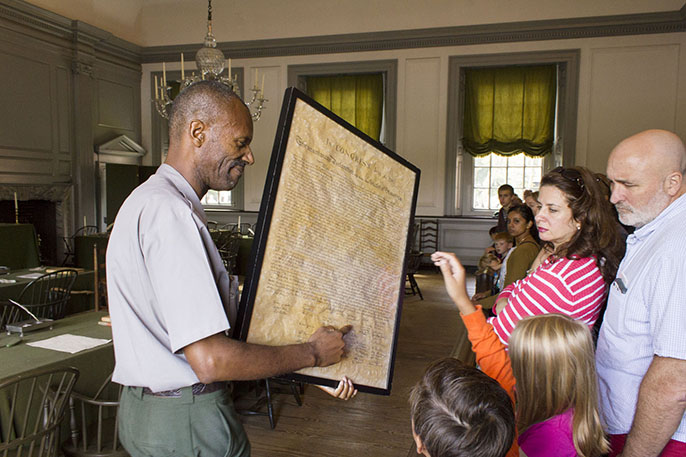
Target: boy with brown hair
458 411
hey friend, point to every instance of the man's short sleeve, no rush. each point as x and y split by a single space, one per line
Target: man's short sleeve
180 274
667 307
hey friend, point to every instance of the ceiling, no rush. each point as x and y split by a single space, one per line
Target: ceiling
168 22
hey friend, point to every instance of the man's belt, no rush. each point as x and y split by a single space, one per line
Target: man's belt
198 389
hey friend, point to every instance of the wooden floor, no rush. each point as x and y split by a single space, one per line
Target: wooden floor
368 425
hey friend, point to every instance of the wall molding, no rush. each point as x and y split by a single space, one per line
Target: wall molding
58 29
557 29
80 37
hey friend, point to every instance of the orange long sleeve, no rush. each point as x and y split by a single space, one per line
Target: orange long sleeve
491 356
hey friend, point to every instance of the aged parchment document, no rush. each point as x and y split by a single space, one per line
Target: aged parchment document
335 248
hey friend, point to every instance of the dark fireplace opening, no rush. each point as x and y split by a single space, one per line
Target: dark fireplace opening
43 215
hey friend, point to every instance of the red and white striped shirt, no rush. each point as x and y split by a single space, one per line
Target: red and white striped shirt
572 287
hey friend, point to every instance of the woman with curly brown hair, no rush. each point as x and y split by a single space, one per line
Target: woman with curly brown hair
579 258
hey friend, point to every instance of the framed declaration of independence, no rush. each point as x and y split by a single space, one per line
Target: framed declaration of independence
331 244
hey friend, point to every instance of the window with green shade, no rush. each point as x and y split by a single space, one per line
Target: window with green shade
358 98
510 110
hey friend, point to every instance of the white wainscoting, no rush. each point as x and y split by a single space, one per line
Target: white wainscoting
466 237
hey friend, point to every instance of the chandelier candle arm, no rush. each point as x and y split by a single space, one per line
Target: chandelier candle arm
210 62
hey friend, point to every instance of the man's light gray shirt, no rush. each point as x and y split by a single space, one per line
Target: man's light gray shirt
166 283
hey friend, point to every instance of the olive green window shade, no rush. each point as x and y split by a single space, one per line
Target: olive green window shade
509 110
356 98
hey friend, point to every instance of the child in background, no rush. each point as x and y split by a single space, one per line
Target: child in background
506 196
504 245
459 411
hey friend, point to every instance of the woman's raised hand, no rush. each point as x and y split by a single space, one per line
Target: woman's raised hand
454 276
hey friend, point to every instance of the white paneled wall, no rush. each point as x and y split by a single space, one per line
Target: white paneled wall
421 122
633 88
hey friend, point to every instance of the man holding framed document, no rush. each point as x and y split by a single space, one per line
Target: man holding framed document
168 294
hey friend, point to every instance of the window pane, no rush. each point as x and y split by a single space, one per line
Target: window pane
532 178
481 177
515 177
498 177
498 161
534 161
225 197
484 161
481 199
516 161
518 172
211 198
495 203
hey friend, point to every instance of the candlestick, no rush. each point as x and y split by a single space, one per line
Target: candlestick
84 221
157 90
16 209
230 77
239 224
183 76
255 87
262 89
164 74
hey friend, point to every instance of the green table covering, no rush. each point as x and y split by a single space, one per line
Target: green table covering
94 365
77 303
18 246
83 248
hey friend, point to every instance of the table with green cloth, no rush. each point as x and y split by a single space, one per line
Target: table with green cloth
18 246
76 304
94 365
83 249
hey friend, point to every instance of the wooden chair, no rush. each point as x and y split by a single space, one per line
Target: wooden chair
227 243
45 297
93 423
414 259
69 251
99 277
428 236
32 405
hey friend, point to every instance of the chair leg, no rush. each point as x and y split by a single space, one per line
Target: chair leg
270 406
413 283
294 391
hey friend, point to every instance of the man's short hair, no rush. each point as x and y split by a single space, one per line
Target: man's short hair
506 187
457 411
203 100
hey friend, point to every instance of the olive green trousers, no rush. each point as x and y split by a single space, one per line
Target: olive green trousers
189 426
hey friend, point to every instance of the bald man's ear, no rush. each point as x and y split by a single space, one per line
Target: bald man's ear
672 183
196 131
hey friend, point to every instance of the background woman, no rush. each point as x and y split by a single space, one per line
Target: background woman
580 255
520 224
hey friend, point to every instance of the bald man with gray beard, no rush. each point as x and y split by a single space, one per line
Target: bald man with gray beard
641 355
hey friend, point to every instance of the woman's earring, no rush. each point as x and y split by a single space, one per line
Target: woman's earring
578 226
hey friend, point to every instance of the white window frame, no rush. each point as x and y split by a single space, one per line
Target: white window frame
460 165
